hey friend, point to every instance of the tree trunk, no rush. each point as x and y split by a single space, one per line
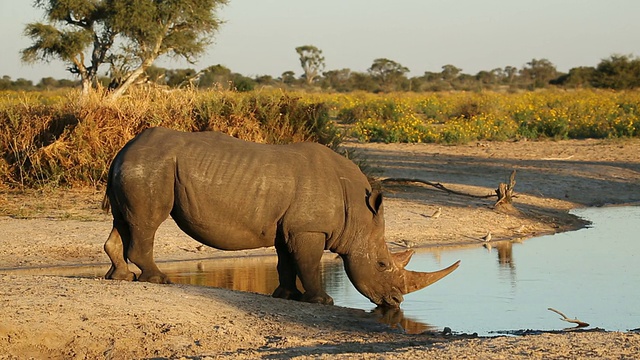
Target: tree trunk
86 87
122 88
135 74
130 80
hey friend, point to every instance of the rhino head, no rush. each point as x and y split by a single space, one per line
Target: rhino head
379 274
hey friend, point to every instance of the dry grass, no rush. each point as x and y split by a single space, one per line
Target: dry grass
51 140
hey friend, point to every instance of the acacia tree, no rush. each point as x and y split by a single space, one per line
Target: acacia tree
311 60
73 27
143 29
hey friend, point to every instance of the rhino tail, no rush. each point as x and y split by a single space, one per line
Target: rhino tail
106 204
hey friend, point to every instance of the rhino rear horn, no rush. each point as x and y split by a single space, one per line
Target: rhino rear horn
402 258
414 280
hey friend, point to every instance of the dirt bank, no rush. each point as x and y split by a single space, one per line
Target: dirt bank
55 317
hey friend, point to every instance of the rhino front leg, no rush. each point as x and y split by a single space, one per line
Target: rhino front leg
307 250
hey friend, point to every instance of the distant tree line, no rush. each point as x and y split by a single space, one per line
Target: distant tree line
48 83
617 72
128 36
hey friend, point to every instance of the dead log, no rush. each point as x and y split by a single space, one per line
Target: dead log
505 196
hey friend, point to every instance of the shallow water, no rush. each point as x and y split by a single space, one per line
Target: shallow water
592 274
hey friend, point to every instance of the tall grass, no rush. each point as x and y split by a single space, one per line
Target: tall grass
60 140
53 139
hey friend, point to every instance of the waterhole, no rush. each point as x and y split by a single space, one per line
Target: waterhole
591 274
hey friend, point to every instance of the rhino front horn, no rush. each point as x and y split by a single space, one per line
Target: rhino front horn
414 280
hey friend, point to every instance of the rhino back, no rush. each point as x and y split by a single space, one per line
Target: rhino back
233 194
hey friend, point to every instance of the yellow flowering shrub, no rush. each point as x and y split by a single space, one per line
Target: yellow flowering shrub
464 117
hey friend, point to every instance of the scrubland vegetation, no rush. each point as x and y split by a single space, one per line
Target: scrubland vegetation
50 139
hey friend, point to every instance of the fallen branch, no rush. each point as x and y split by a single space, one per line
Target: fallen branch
565 318
557 158
435 185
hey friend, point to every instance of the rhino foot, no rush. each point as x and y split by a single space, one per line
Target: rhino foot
115 274
156 278
284 293
317 299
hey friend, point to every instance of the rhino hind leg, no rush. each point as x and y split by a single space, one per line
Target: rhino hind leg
307 250
141 254
115 248
287 274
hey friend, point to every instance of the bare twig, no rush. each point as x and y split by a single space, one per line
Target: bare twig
565 318
435 185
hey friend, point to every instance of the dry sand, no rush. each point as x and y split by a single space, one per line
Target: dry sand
61 317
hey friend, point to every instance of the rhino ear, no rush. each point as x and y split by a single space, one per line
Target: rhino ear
374 202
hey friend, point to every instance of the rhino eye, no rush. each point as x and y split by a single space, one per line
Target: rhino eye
382 265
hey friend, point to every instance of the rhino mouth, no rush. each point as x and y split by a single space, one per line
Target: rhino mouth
391 300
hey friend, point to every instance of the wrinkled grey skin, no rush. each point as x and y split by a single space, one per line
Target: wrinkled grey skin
231 195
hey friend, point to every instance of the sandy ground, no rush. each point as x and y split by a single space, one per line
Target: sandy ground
62 317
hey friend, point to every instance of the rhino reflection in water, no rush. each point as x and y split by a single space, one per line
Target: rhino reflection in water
230 194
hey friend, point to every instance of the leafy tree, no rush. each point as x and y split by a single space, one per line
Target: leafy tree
156 75
216 75
618 72
430 76
466 82
5 82
178 28
338 80
485 77
180 77
450 72
221 76
288 77
83 33
538 73
510 73
242 83
20 84
264 80
579 77
48 83
363 81
388 72
312 62
72 27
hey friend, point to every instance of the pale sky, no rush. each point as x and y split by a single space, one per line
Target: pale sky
260 36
